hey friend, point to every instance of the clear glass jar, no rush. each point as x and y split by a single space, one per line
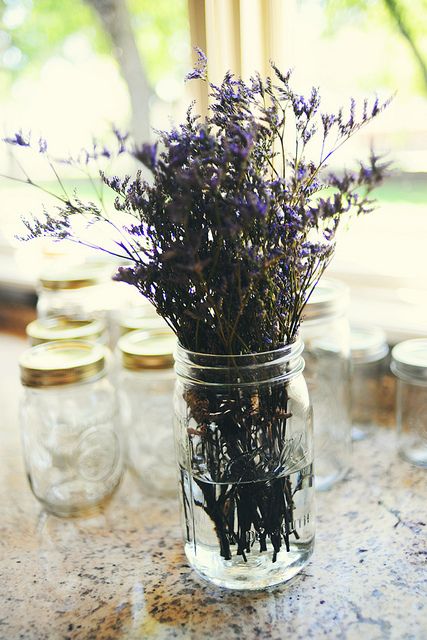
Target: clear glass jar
369 350
77 294
55 329
69 426
146 380
325 332
243 433
409 364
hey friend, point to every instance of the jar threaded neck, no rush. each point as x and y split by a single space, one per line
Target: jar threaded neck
211 369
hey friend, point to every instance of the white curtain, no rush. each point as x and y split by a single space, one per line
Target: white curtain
241 36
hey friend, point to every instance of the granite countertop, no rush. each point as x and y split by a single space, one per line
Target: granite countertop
122 573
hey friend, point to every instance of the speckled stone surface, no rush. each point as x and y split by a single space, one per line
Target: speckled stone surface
122 573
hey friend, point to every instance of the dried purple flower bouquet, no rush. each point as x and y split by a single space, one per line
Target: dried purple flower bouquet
230 235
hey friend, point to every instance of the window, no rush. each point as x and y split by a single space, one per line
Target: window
82 77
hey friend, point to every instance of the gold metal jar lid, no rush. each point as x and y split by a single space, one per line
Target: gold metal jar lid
77 278
64 329
147 350
60 363
148 323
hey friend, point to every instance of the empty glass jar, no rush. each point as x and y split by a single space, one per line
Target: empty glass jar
146 381
69 424
409 364
325 332
369 350
77 293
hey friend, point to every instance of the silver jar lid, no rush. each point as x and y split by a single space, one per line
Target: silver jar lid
60 363
409 360
62 328
147 350
330 298
367 344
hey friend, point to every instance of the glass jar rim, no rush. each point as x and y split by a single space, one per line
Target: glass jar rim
293 348
279 364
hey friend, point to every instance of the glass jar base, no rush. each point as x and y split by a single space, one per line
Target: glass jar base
258 573
326 482
61 511
361 432
414 455
65 503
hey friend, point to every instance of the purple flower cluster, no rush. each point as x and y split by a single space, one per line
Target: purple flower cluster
231 233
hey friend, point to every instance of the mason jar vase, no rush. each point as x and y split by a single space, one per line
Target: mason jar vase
243 430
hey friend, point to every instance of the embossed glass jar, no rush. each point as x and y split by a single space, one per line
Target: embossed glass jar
326 333
409 364
244 449
146 380
69 425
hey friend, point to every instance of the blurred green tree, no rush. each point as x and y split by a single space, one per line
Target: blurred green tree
407 17
142 35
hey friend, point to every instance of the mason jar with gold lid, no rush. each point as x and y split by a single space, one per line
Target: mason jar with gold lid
146 382
76 293
69 423
56 329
